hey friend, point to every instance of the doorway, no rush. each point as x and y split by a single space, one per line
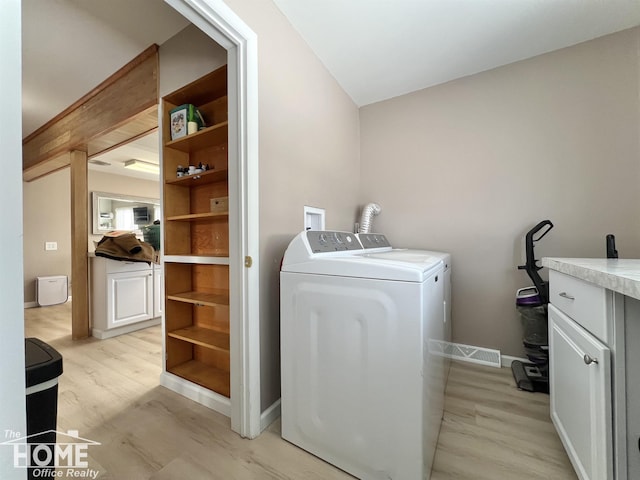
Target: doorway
225 28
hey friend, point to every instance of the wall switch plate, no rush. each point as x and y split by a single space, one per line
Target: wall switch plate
50 245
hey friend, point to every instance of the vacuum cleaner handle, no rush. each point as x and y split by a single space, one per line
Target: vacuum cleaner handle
531 267
531 238
611 247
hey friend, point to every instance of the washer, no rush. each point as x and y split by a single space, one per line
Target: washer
363 370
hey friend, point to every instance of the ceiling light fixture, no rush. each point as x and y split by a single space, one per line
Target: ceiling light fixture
101 163
142 166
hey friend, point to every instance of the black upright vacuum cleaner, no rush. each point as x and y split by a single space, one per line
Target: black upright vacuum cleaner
531 303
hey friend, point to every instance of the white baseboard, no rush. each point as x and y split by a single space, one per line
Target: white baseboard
270 415
35 304
114 332
196 393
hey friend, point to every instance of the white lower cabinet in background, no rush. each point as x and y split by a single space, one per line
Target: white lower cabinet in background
125 296
632 394
580 389
585 333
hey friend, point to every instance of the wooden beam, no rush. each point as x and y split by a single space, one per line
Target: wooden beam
45 168
79 236
142 124
127 93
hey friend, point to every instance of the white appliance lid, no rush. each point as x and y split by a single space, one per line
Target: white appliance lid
342 254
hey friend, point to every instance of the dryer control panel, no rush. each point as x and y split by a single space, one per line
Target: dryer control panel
373 240
322 241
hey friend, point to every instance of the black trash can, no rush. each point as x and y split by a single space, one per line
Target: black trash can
43 366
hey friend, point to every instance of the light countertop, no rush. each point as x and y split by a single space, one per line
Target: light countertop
620 275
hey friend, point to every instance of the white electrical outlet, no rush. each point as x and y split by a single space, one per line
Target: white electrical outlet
50 245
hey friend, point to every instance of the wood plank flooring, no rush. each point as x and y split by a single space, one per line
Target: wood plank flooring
110 393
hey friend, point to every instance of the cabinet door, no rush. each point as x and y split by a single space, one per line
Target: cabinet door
580 388
129 297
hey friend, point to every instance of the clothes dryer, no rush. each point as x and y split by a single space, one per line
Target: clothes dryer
362 387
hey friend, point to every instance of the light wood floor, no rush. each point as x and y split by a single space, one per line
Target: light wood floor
109 392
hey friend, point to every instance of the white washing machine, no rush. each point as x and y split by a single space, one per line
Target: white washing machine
361 333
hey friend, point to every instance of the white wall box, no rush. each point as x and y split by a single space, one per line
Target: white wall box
52 290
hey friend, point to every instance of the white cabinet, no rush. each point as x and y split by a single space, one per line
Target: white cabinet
582 341
129 297
632 393
580 389
123 296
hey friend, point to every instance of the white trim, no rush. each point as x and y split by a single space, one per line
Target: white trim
270 415
199 394
196 259
114 332
218 21
507 360
42 386
35 304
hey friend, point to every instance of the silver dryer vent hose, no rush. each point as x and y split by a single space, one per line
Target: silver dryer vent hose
368 212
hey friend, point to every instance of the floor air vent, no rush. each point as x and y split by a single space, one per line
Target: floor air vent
467 353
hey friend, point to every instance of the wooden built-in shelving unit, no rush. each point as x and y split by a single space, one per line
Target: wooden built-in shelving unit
197 288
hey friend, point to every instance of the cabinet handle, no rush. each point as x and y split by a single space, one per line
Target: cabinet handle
567 296
589 360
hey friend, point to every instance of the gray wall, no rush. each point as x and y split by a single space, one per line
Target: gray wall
47 218
470 166
187 56
309 155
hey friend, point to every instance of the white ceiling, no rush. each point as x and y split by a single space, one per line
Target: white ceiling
376 49
144 148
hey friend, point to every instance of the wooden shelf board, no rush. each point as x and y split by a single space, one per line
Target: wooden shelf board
207 137
205 337
203 90
200 298
208 176
205 375
198 216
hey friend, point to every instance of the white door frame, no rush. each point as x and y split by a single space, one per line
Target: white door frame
218 21
13 411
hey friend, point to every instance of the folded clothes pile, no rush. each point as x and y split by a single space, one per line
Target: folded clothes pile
125 247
